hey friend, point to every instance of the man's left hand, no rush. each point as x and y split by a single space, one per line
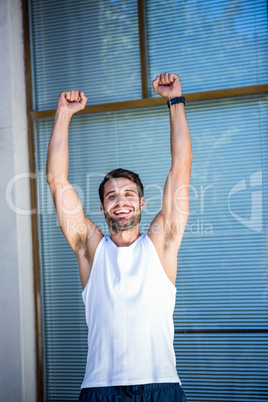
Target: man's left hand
167 85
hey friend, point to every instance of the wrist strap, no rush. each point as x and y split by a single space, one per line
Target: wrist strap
180 99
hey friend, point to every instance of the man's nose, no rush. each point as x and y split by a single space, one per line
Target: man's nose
121 199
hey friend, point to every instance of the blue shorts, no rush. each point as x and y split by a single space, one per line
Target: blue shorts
157 392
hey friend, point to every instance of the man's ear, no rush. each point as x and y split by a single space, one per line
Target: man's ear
142 203
101 208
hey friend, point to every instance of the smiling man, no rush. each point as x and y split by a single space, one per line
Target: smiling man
128 278
123 201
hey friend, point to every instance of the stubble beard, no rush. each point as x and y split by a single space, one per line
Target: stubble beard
120 225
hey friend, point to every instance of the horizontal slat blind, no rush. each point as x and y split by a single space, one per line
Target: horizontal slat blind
86 45
210 44
222 271
223 367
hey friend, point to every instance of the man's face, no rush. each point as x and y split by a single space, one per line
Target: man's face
121 204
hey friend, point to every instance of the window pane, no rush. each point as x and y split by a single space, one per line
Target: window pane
92 46
222 265
210 44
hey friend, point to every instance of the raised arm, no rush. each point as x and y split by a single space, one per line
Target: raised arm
166 230
81 233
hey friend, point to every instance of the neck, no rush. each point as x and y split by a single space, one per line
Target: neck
126 237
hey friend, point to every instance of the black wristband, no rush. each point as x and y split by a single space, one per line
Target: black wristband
180 99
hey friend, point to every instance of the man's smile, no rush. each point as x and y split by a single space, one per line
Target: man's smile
122 212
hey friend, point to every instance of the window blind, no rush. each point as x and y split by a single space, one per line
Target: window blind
92 46
211 44
221 308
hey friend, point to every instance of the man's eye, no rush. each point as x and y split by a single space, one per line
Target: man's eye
111 197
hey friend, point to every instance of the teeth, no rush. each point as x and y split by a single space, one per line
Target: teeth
122 211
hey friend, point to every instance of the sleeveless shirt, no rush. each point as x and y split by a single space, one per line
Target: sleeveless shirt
129 304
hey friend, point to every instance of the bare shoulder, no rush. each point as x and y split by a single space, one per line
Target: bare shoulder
85 248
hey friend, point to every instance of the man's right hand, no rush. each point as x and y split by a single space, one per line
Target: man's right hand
71 102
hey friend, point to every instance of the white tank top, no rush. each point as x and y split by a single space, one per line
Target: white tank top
129 303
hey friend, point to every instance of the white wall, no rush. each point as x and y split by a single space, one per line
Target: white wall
17 327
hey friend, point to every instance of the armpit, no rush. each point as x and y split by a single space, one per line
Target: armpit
81 246
171 232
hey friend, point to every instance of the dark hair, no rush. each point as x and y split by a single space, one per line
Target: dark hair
115 174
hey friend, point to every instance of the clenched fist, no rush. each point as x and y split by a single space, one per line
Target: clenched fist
71 102
167 85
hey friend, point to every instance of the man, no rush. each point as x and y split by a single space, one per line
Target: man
128 279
